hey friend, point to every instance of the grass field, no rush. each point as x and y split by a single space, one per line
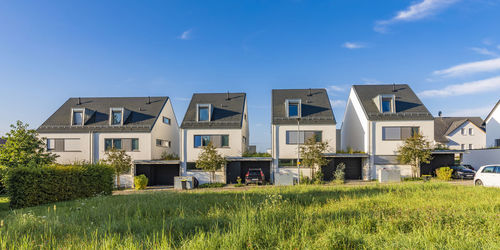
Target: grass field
410 215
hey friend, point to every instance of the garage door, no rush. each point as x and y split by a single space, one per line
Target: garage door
158 174
236 168
352 168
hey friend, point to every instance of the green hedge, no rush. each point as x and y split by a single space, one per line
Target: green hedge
34 186
3 172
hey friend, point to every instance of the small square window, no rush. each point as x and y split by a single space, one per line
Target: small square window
471 131
77 118
51 144
116 117
462 146
464 132
197 141
166 120
471 146
162 143
117 143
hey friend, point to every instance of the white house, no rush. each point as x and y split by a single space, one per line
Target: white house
378 118
492 124
217 118
460 133
297 115
83 129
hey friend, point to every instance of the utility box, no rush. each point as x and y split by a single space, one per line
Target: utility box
388 175
284 179
183 182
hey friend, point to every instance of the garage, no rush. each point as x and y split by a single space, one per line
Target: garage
159 173
353 166
440 158
239 166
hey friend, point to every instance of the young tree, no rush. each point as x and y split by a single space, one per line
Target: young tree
414 151
24 148
210 160
312 154
119 161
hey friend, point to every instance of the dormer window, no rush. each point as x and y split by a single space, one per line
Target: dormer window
77 118
116 116
203 112
293 108
385 103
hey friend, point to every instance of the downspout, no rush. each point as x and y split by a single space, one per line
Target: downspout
91 159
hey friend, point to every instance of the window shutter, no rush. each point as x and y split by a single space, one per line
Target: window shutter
216 140
127 144
59 145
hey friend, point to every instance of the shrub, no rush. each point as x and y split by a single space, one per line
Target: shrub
167 156
34 186
3 172
239 185
444 173
212 185
340 173
140 182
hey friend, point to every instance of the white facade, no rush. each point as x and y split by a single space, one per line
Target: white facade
481 157
493 127
361 134
467 136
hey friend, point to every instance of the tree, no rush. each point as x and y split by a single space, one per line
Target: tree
119 161
210 160
24 148
312 154
414 151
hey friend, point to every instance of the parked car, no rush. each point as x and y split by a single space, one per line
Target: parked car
254 175
462 172
488 175
468 166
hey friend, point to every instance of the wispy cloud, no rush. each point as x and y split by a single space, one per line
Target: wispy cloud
186 35
415 12
337 103
484 51
480 111
182 99
490 65
353 45
474 87
335 88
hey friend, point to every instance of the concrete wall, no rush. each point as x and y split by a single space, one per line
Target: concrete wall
481 157
456 139
204 176
405 170
165 132
493 127
355 125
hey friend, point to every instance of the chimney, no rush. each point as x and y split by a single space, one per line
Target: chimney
393 87
310 92
149 100
440 113
227 96
79 101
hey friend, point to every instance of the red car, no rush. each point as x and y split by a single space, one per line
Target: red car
255 175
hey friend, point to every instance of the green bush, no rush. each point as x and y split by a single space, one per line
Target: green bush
3 172
34 186
340 173
444 173
140 182
212 185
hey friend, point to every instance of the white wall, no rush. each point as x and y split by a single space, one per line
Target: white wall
381 147
481 157
190 153
355 125
165 132
456 139
83 154
204 176
144 152
493 127
405 170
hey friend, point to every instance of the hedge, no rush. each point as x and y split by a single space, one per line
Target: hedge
35 186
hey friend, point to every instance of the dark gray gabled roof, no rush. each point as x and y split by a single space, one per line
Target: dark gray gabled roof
227 111
316 108
143 115
491 112
443 126
408 105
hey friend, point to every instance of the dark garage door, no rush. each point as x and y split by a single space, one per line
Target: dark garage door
240 168
437 161
158 174
352 168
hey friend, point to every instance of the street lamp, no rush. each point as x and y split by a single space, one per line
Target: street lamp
298 150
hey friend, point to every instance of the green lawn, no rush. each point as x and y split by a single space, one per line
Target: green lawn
410 215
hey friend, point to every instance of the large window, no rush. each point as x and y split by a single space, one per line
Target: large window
203 113
398 133
287 162
217 141
77 117
497 142
112 143
386 105
116 116
302 136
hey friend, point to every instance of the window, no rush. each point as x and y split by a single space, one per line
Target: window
398 133
293 110
71 145
163 143
217 141
166 120
112 143
77 117
386 105
464 132
287 162
488 170
471 146
51 144
303 136
116 116
203 113
471 131
497 170
135 144
497 142
462 146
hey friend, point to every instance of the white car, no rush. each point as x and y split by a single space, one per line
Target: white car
488 175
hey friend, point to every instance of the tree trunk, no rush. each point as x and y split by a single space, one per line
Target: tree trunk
212 176
117 181
418 167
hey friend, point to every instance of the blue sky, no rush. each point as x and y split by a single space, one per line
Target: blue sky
447 50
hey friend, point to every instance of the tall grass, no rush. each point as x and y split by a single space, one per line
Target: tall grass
412 215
